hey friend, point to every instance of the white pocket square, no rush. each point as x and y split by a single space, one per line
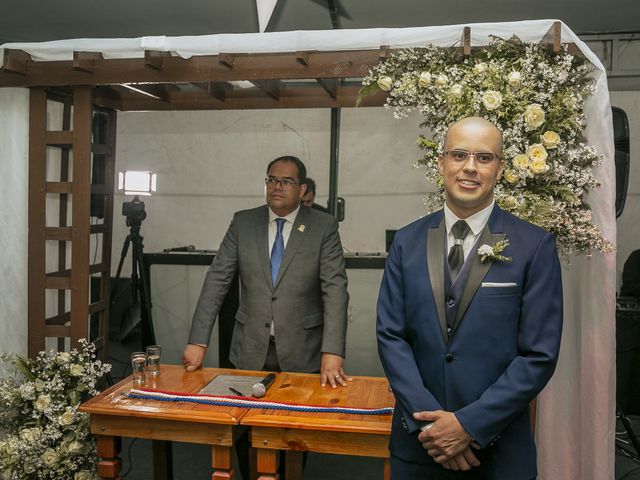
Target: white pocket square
499 285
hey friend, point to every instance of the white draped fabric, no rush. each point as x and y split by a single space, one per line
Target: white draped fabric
575 431
14 147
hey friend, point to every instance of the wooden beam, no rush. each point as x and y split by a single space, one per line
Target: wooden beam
270 87
59 138
330 85
352 64
154 59
16 61
227 59
85 61
36 263
384 52
552 39
80 219
215 89
465 42
302 58
309 97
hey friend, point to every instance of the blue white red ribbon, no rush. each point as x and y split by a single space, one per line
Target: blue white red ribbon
249 402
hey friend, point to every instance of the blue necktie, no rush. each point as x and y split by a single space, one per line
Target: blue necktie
277 251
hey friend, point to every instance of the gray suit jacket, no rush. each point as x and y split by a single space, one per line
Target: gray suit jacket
308 303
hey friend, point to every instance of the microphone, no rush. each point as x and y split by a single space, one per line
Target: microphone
260 388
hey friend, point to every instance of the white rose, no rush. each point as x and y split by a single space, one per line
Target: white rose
537 152
491 99
49 457
43 402
29 435
76 447
514 79
485 250
67 418
480 68
424 80
456 90
441 80
63 357
511 176
539 166
76 370
521 160
385 83
534 116
510 202
550 139
83 475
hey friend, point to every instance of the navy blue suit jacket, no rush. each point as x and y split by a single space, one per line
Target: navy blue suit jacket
501 353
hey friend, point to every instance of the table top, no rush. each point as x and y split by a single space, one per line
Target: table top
172 378
362 392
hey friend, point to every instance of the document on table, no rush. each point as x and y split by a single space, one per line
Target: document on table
222 385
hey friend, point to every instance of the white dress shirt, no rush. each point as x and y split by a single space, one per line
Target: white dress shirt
476 222
286 228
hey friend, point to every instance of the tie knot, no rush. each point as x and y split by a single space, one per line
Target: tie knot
280 222
460 230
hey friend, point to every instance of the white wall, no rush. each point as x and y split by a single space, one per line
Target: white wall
14 147
211 164
629 221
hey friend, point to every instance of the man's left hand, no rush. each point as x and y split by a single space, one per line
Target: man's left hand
444 438
331 371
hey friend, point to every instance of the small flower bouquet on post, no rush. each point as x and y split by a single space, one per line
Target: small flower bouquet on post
42 434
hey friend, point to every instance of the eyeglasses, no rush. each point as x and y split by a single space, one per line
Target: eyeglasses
463 156
285 183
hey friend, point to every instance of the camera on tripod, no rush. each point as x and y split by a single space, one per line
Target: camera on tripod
134 211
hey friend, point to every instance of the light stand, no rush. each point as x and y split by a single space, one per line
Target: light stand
139 285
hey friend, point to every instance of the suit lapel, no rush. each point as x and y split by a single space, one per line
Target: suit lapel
478 269
435 266
262 243
298 231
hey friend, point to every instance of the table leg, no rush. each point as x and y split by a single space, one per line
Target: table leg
267 461
109 465
162 460
293 465
221 463
387 469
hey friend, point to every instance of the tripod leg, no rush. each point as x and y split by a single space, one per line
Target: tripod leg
148 334
123 255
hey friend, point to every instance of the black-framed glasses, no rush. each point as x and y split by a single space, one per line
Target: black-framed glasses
463 156
285 183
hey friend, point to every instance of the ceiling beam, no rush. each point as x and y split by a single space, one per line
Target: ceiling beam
270 87
15 61
330 85
217 90
85 61
309 97
352 64
155 59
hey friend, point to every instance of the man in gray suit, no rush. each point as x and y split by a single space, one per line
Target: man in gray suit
293 302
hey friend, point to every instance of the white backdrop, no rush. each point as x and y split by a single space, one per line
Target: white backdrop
14 148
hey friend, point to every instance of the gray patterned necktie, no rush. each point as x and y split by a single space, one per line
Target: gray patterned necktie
460 231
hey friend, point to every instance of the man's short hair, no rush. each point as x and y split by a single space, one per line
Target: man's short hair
302 170
311 186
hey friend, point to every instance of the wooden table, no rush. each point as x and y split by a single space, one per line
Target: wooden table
363 435
113 416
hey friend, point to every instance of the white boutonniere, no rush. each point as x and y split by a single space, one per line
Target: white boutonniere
301 228
493 252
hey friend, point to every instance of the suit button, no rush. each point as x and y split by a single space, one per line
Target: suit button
273 299
450 302
449 357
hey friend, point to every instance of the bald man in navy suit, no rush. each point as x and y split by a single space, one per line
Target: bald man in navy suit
468 331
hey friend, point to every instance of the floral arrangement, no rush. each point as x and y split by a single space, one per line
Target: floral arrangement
493 253
43 434
536 97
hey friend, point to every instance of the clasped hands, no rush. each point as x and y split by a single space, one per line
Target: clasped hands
446 441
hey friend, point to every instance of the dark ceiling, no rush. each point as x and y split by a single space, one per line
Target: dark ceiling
37 20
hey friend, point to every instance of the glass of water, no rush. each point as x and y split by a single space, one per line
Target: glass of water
153 360
138 363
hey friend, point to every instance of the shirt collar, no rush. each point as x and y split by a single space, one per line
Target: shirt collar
289 218
477 221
